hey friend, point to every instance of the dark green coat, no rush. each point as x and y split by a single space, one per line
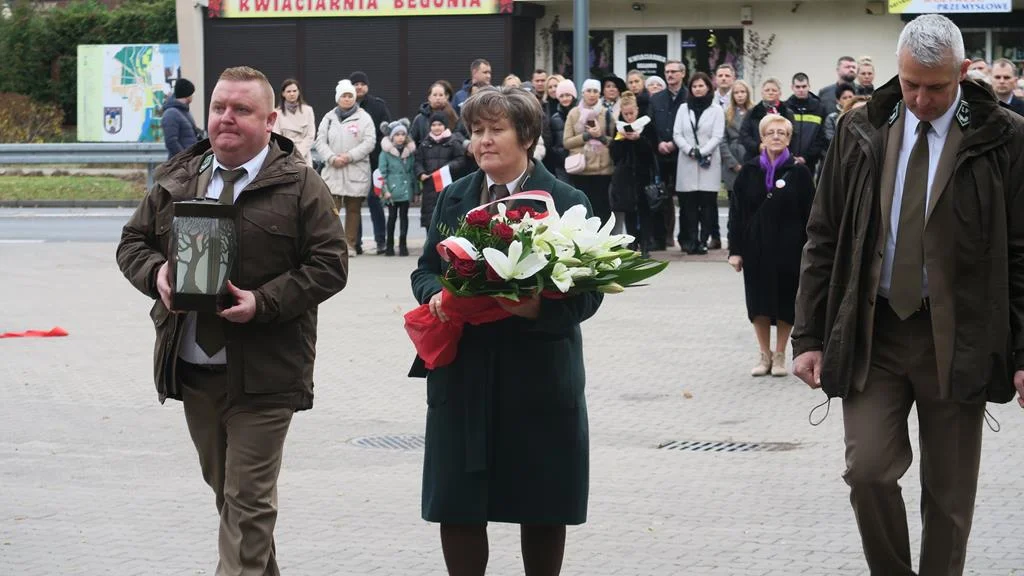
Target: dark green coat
507 438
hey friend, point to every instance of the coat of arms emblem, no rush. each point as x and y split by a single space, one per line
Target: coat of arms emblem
112 119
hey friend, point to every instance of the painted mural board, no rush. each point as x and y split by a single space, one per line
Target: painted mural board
122 89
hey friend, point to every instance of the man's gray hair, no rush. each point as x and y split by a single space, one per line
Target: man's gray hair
931 40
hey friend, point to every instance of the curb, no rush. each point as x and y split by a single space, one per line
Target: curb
69 203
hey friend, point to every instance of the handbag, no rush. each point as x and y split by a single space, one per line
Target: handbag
655 192
575 163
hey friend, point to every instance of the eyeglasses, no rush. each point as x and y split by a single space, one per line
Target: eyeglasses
780 133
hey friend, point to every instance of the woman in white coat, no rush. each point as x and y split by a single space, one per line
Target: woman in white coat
699 129
345 140
295 119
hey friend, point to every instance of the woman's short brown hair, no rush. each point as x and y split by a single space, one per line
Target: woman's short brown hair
521 108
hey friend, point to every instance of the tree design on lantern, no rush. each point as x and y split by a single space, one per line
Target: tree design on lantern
204 253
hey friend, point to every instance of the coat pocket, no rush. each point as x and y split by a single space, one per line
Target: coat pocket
268 241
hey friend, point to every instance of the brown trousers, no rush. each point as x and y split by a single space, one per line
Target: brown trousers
353 217
878 452
240 452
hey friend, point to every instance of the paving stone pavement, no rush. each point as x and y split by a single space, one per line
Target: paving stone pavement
97 478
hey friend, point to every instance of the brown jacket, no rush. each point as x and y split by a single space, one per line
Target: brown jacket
974 249
292 255
599 159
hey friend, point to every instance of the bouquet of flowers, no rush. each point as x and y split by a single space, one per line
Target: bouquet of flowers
521 253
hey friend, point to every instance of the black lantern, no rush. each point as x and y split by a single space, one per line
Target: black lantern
205 246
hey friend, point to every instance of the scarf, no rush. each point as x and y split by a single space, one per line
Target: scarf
770 167
771 108
291 107
344 114
446 134
698 104
564 111
588 113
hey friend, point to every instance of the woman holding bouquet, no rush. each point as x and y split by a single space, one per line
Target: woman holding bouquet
506 435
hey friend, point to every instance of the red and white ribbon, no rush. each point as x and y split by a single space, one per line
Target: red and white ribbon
463 249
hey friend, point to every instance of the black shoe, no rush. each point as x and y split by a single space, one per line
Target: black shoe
389 251
715 244
644 253
698 250
381 250
359 249
403 251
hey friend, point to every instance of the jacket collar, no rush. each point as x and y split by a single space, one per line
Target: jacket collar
279 166
538 179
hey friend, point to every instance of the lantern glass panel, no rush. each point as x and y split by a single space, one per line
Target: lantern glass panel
204 252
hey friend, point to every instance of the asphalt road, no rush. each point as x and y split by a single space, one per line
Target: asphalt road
35 225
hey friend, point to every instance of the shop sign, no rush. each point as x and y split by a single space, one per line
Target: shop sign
351 8
647 53
948 6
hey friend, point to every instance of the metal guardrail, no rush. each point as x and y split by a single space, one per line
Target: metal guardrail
152 154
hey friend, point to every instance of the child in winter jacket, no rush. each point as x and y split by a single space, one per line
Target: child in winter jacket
397 160
438 149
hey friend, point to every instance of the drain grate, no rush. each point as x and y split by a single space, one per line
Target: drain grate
392 442
699 446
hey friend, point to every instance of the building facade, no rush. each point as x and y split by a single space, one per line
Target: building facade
403 52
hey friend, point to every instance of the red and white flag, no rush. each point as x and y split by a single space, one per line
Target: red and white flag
442 178
378 182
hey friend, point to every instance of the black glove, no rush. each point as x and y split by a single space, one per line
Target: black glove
693 153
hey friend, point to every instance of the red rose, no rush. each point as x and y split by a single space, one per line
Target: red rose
492 276
478 218
514 215
527 211
540 215
503 231
464 268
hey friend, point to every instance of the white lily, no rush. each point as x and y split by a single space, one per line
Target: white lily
599 240
563 276
515 265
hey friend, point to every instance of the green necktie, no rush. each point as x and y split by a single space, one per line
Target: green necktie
498 191
210 327
907 287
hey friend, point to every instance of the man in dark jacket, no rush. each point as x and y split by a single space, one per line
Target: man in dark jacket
176 122
912 292
241 372
808 142
662 110
1004 80
479 74
378 110
846 73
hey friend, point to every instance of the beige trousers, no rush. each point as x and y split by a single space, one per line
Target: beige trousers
240 452
353 206
878 452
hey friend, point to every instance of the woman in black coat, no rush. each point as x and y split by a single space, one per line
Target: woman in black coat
439 148
566 101
633 154
507 436
771 203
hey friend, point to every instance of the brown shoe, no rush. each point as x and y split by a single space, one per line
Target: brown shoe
779 364
764 367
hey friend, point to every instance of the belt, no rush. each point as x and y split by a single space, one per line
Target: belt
209 368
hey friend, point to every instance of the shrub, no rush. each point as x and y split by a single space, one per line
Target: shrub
25 120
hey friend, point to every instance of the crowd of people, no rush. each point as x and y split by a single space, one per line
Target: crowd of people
899 288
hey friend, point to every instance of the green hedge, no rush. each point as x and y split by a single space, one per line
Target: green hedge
38 48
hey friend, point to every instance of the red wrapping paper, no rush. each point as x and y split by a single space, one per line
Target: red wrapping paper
437 342
56 331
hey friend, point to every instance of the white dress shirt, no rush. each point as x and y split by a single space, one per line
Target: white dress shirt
936 141
190 350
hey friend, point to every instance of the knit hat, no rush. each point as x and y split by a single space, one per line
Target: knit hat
359 76
566 87
654 81
183 88
591 84
440 117
343 87
400 126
